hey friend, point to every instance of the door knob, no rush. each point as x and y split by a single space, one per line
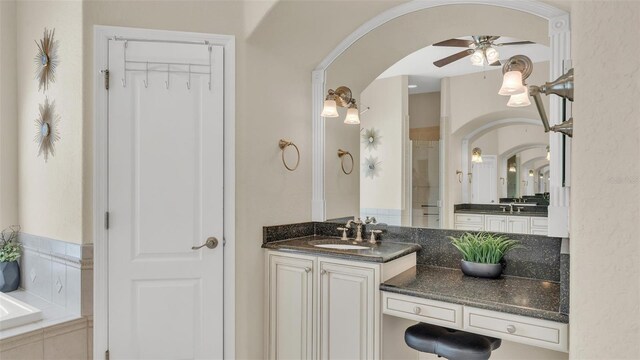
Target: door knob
211 243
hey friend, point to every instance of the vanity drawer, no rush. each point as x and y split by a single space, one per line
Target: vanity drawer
422 310
470 219
526 330
540 222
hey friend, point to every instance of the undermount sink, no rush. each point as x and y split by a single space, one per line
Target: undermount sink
341 246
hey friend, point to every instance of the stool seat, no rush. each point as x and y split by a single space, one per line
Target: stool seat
450 344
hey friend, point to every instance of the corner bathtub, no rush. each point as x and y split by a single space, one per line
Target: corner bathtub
14 312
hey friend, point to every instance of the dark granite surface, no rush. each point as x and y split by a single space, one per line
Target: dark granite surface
513 295
527 209
500 212
382 252
539 259
564 283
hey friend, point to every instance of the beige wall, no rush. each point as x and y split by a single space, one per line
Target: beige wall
424 110
8 118
389 108
50 194
605 196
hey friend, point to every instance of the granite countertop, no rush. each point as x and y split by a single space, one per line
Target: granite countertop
514 295
500 212
382 252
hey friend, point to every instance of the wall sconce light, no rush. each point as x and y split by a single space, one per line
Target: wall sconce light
512 168
531 173
476 155
549 152
516 70
341 97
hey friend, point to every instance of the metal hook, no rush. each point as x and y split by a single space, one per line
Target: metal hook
189 81
124 57
210 70
146 81
166 83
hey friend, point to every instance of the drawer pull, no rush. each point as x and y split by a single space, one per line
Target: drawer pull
307 270
511 329
417 310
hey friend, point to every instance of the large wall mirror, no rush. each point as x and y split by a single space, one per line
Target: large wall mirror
436 145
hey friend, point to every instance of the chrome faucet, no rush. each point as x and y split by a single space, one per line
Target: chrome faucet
358 222
511 208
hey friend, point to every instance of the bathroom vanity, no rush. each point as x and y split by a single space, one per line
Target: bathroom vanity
324 303
517 218
328 298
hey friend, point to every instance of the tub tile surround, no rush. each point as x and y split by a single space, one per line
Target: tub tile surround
58 272
56 277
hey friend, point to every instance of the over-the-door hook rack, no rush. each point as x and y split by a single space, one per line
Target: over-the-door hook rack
342 154
189 81
283 144
146 81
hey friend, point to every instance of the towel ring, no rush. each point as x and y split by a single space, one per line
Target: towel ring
459 173
283 144
341 155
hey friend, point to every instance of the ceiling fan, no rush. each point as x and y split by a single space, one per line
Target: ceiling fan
481 49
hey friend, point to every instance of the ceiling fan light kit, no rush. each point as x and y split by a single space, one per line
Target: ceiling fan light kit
482 50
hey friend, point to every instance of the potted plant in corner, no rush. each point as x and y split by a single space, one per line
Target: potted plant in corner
10 251
482 253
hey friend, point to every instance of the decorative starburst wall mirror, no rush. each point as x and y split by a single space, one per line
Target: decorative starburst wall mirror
46 60
47 133
371 167
371 138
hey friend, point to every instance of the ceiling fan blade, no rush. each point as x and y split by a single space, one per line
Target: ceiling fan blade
449 59
516 43
494 38
496 63
454 43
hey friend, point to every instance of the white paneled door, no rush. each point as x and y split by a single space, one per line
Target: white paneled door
484 184
165 197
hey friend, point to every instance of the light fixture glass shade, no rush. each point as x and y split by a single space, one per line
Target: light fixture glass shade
353 118
548 154
330 109
512 168
476 155
520 100
492 55
477 58
531 173
512 84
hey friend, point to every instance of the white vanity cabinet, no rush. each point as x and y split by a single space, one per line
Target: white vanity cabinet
518 224
495 223
348 311
290 313
325 308
502 223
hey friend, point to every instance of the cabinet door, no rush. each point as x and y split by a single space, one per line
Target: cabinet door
495 223
347 312
518 224
290 307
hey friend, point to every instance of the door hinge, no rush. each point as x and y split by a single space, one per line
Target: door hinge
106 220
105 73
106 355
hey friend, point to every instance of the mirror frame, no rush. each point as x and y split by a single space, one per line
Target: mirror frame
560 45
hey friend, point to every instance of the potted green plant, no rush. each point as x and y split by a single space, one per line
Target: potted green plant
10 251
482 253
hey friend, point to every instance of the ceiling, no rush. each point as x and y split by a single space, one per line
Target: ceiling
419 65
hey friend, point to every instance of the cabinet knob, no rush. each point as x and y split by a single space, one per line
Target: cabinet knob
511 329
417 310
307 269
323 271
